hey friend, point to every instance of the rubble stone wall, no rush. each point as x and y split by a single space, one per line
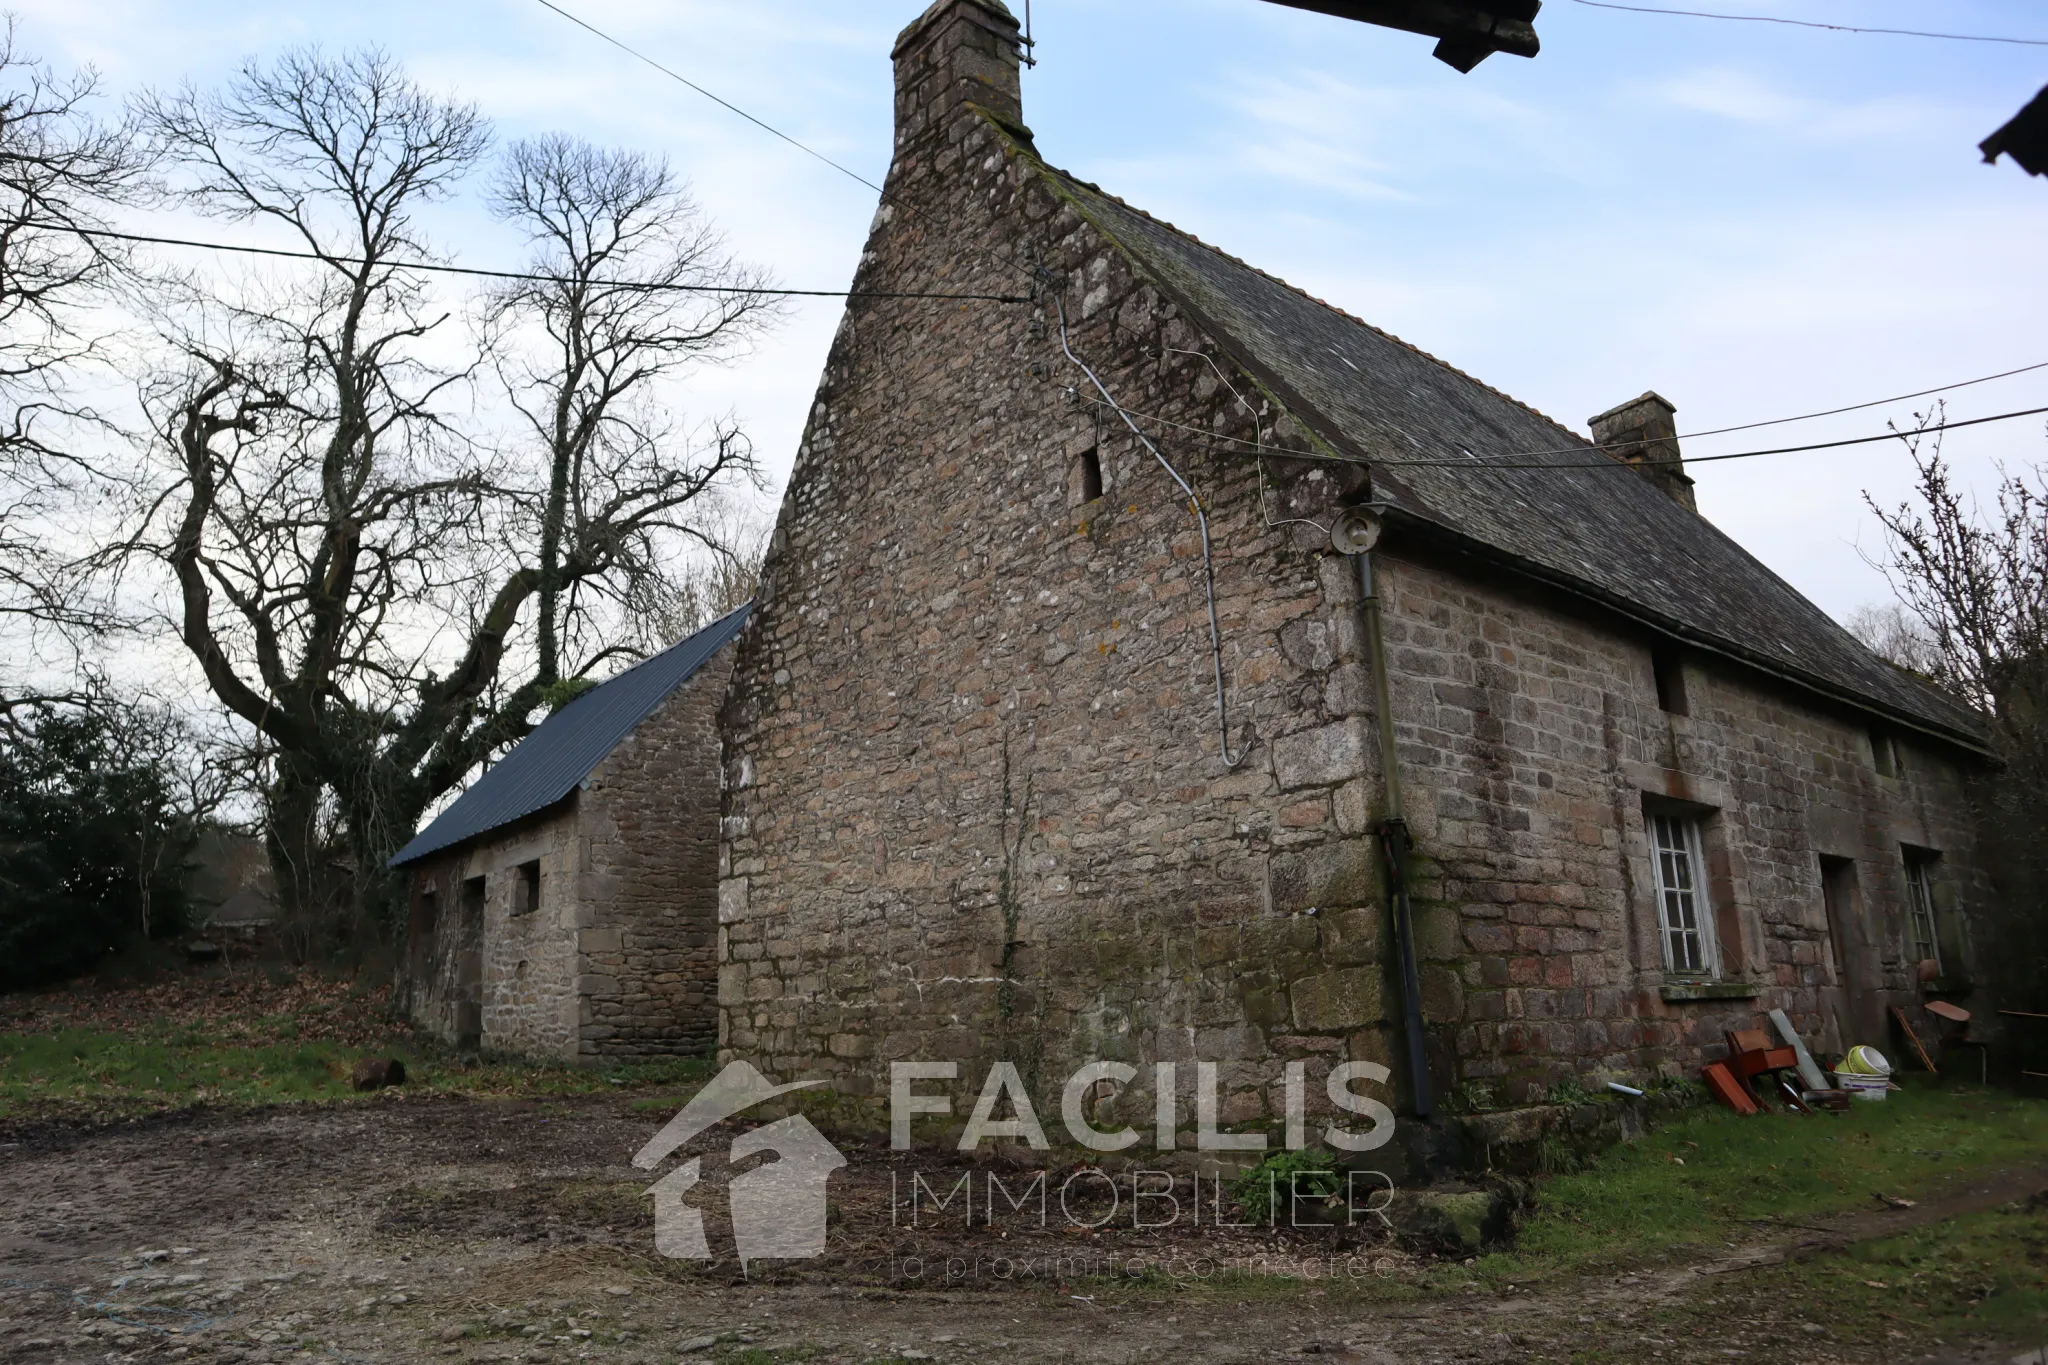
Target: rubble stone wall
647 936
617 961
1530 739
976 808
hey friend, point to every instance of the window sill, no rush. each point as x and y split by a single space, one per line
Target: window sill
1710 990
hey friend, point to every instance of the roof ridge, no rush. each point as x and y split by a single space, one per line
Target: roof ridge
1296 289
561 752
658 654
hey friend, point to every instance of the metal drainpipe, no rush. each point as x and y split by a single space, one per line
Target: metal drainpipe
1395 841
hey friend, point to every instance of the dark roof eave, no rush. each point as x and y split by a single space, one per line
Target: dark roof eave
1406 524
475 837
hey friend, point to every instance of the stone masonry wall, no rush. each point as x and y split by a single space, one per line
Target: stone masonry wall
524 963
530 1002
647 974
617 960
975 803
1530 737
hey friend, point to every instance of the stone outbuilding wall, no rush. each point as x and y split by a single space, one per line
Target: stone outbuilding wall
616 959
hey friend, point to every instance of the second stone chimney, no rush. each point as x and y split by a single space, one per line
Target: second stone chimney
958 52
1643 434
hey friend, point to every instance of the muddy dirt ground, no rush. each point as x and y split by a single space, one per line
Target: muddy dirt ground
448 1230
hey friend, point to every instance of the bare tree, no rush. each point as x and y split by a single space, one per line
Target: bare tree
1978 585
320 508
355 562
693 592
1895 635
60 170
637 288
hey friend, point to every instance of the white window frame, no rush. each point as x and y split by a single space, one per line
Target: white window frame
1685 907
1921 931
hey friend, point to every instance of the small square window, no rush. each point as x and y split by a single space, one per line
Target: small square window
1684 912
1923 937
526 888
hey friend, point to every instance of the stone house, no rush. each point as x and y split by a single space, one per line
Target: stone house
1055 733
565 905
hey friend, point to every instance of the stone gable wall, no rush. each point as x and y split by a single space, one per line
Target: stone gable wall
975 804
647 937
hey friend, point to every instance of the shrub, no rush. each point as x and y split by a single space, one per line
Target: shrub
93 845
1265 1191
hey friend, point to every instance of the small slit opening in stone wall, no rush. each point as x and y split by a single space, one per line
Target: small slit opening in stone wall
1669 666
1084 482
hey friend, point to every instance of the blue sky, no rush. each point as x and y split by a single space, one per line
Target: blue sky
1753 220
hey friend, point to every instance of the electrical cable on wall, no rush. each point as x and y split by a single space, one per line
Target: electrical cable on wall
1258 434
1201 516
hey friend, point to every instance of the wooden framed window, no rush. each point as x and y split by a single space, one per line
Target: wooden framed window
1685 916
1923 939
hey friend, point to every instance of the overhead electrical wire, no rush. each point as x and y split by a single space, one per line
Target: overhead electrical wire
723 103
1686 436
1858 407
770 128
1812 23
1473 461
1477 462
529 276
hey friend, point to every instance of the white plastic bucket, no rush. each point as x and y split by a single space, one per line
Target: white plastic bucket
1863 1087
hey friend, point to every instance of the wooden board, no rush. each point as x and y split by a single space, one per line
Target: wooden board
1919 1050
1727 1089
1809 1070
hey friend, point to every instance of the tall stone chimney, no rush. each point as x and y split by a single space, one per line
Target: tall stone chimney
1643 434
958 52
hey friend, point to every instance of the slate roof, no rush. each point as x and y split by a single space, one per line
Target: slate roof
1603 532
566 747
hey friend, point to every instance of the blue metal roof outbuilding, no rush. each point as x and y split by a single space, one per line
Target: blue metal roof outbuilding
566 747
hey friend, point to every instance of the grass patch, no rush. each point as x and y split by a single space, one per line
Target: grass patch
86 1069
1981 1276
1712 1177
93 1074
